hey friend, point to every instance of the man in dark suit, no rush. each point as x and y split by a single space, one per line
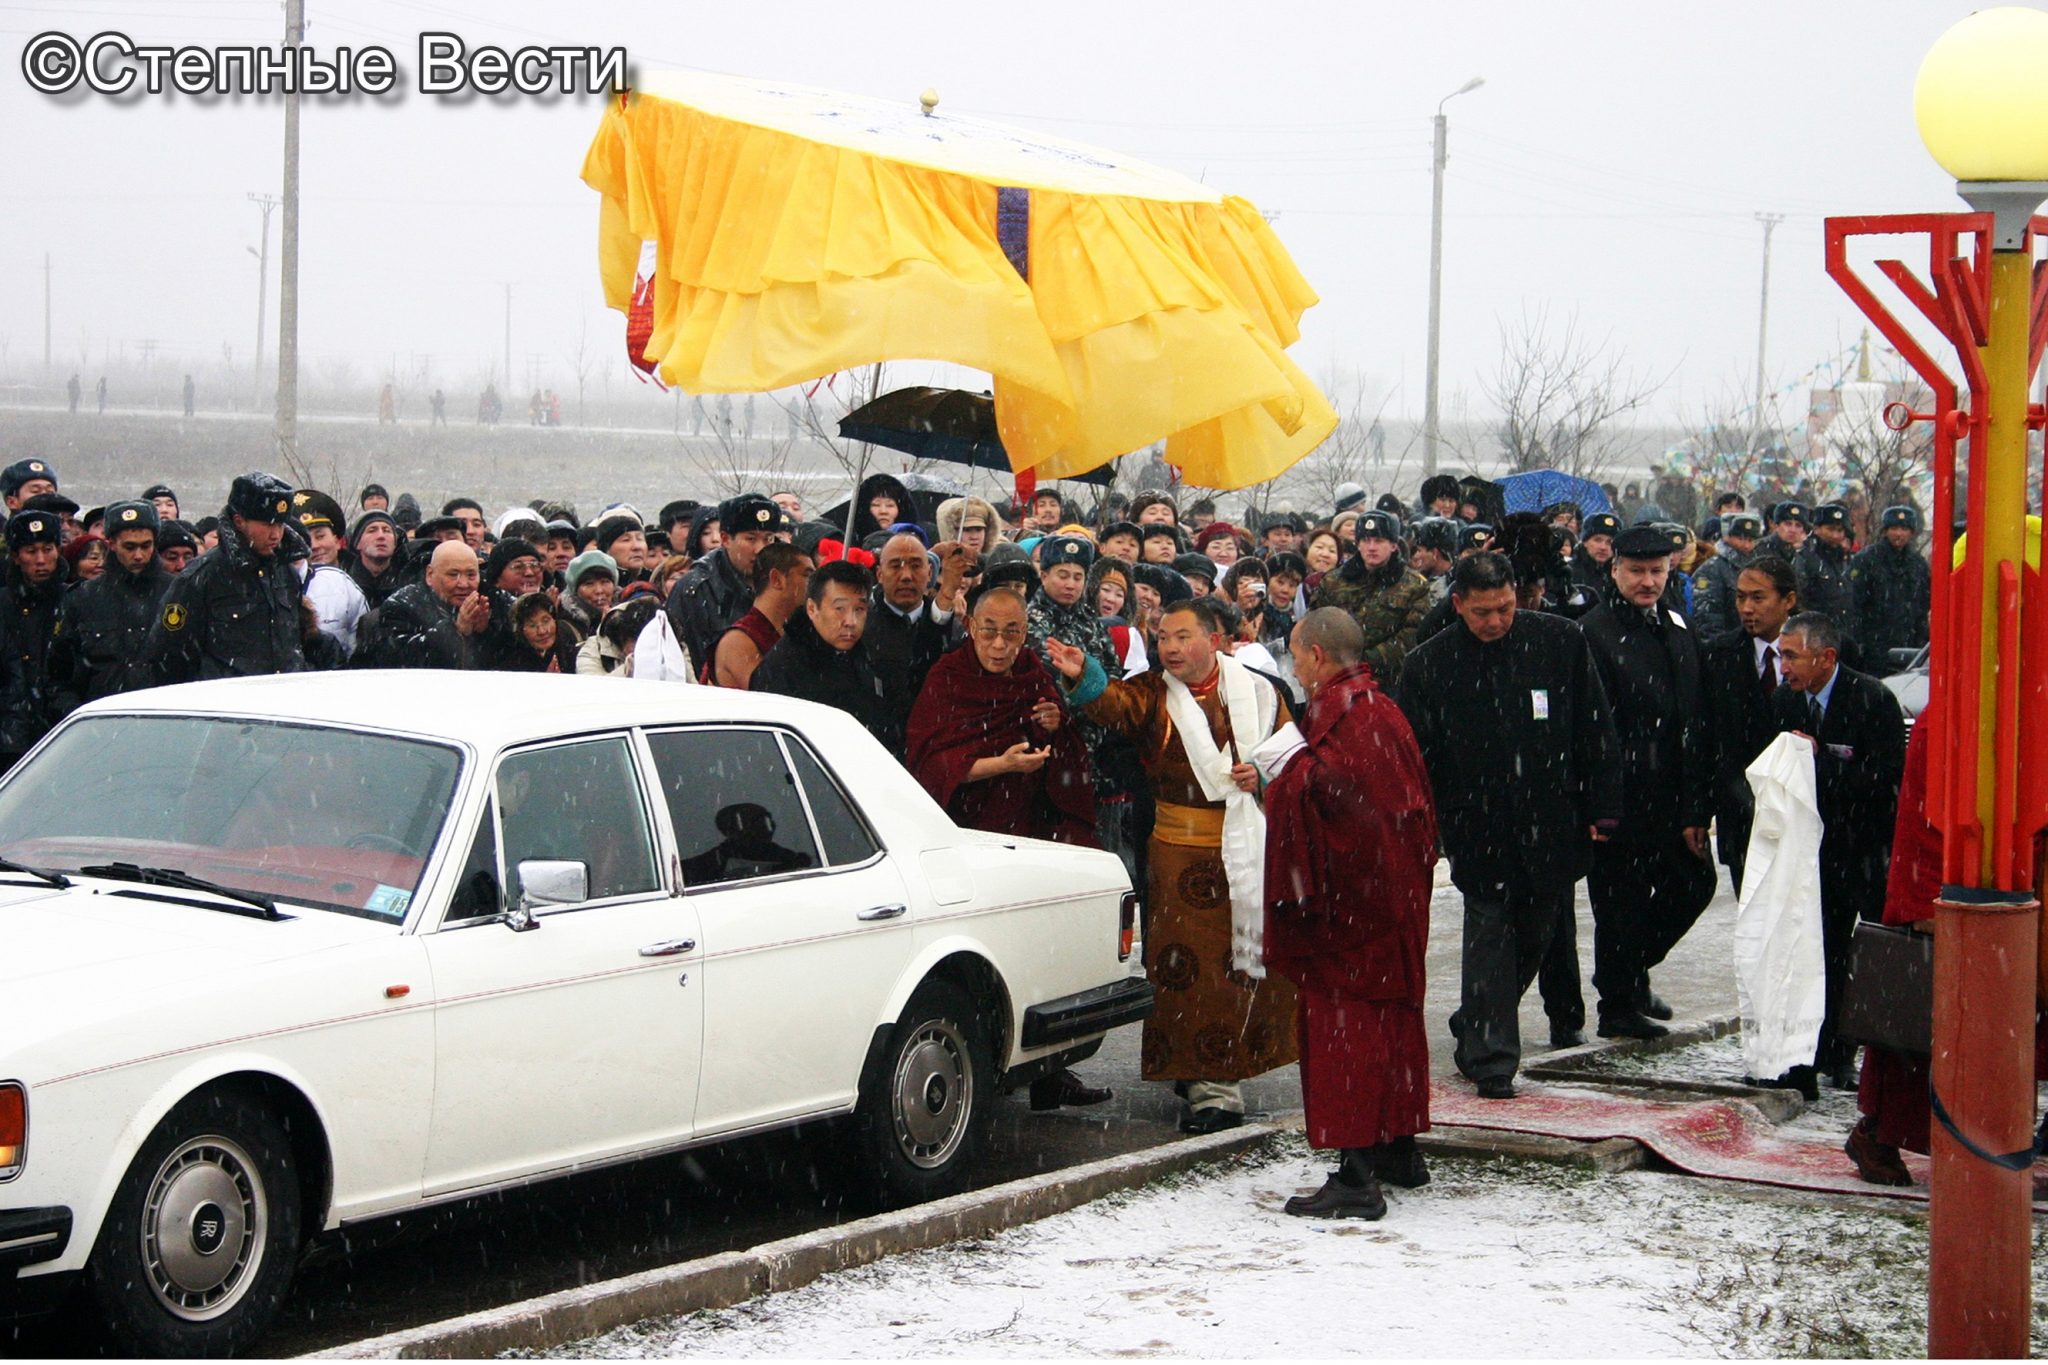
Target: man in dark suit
1859 757
908 629
1507 707
1650 882
1741 676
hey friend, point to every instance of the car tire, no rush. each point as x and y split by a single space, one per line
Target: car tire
200 1242
925 1101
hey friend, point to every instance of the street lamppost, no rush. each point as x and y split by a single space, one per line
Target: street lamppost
1983 114
1436 271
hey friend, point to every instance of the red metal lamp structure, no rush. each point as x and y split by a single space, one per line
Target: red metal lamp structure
1982 118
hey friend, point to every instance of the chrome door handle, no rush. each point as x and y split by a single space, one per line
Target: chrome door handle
883 912
669 947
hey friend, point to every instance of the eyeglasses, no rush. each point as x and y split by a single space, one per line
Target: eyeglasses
990 634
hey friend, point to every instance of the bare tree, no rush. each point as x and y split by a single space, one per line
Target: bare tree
734 462
582 359
1561 396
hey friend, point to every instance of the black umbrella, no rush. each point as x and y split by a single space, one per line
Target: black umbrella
952 425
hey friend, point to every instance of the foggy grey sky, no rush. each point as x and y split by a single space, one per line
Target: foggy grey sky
1611 164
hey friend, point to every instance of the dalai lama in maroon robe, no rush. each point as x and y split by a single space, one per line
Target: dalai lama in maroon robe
989 740
988 737
1350 853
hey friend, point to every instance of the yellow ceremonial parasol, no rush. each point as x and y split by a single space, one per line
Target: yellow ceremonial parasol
796 232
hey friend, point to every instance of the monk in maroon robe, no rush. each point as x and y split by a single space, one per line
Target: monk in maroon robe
1350 859
989 739
1891 1094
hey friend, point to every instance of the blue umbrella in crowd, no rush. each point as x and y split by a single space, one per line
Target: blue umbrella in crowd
1540 488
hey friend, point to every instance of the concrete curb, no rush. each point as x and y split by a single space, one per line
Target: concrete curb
1559 1065
734 1277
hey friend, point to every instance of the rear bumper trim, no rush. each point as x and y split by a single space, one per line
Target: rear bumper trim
1087 1012
31 1235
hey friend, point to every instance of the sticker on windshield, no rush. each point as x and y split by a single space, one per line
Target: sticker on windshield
388 900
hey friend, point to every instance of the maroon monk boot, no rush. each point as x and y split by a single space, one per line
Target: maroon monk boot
1876 1162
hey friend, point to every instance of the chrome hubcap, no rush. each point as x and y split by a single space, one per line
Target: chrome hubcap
933 1094
203 1228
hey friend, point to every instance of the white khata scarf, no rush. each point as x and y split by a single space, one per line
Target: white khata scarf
1250 703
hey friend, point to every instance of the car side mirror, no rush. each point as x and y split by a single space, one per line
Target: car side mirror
544 882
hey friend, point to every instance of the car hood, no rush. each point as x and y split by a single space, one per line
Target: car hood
84 952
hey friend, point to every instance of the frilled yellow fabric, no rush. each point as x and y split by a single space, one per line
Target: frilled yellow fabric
781 258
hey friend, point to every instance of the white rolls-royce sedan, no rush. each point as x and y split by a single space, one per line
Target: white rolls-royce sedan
282 954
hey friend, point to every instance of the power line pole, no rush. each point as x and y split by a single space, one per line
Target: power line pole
1436 271
46 310
508 336
266 202
1763 322
288 275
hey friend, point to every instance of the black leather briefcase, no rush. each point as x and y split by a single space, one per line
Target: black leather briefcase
1888 1000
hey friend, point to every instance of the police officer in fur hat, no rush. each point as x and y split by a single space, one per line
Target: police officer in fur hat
237 611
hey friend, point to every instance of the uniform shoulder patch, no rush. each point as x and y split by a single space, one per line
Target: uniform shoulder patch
175 616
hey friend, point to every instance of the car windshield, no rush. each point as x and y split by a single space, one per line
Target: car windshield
310 816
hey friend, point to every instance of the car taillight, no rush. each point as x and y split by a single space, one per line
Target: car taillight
1127 926
13 1129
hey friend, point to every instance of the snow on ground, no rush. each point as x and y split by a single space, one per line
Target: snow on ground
1494 1258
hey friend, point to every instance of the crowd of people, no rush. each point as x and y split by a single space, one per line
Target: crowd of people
1277 727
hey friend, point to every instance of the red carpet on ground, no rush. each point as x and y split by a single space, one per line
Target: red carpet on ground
1726 1139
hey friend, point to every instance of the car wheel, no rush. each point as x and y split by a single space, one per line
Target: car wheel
925 1100
199 1245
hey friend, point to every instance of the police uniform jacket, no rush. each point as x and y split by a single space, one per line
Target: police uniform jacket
1891 590
1823 574
709 597
30 615
100 632
230 614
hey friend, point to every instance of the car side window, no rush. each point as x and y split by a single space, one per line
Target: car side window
735 805
476 890
578 803
845 835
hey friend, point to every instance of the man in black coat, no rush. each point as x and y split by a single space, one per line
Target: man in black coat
29 597
101 625
236 611
1890 586
443 621
906 633
819 657
374 557
718 589
1512 720
1740 674
1859 757
1650 882
1823 568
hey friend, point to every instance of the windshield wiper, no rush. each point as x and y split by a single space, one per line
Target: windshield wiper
177 880
41 874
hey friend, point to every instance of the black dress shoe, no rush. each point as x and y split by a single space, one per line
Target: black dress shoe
1400 1163
1339 1200
1842 1076
1205 1121
1800 1078
1065 1088
1630 1026
1651 1005
1561 1037
1496 1087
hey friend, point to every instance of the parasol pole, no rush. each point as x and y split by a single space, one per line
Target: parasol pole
853 499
